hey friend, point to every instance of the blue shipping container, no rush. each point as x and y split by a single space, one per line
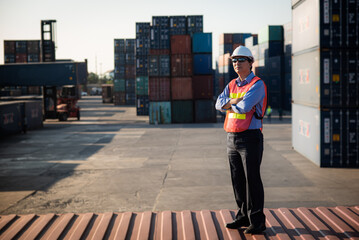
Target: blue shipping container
202 43
202 64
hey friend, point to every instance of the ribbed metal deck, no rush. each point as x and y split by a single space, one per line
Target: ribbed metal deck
283 223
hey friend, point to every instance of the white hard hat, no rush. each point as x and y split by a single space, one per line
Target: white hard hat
242 51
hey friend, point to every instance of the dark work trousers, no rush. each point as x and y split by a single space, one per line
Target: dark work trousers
245 151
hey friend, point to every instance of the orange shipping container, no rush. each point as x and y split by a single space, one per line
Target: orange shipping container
181 44
181 88
181 65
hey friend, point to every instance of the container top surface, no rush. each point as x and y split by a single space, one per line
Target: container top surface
282 223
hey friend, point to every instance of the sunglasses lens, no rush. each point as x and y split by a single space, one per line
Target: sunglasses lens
238 60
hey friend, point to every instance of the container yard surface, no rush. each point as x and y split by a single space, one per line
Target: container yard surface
115 161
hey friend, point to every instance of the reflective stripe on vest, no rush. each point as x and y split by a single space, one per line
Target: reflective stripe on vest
237 115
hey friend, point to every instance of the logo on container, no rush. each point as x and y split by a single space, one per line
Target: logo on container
304 76
304 128
8 118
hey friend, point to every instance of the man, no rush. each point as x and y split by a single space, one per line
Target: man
245 100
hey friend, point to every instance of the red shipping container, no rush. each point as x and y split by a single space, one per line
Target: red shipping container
181 44
181 65
119 98
21 58
9 47
159 89
181 88
202 87
225 38
130 72
159 51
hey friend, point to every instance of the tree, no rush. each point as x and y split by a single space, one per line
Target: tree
93 78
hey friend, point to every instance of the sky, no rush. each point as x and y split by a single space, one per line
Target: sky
86 29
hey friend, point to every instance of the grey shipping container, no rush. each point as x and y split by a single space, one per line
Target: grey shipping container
328 137
142 65
326 78
325 23
159 65
33 115
194 24
39 74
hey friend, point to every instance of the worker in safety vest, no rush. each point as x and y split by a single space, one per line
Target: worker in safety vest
244 99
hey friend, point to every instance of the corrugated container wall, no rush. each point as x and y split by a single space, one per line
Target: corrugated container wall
202 43
178 25
194 24
160 113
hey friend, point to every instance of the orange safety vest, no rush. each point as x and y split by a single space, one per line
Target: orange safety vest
239 122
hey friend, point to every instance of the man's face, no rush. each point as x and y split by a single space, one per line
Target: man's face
241 65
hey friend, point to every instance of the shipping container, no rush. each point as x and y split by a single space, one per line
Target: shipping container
204 111
141 85
178 25
270 49
325 24
9 47
119 85
119 98
202 64
21 47
9 58
181 88
287 33
130 71
32 115
40 74
181 44
181 65
182 111
326 78
130 58
130 45
159 65
274 65
160 112
130 86
33 47
202 43
225 48
270 33
159 88
120 46
142 28
202 86
33 58
141 65
11 118
20 57
142 105
194 24
327 137
274 99
143 45
160 35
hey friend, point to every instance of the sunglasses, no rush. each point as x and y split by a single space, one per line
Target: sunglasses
234 60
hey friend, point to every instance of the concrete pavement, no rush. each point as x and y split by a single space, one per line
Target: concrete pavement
113 160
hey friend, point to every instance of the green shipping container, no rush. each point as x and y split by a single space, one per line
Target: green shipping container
119 85
142 85
270 33
160 112
182 111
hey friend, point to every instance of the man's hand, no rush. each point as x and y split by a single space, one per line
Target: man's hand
232 101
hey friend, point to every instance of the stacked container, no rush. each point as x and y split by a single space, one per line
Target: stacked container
325 113
125 72
269 63
287 65
120 73
23 51
159 85
202 80
143 43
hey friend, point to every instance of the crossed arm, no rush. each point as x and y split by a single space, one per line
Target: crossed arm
228 105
